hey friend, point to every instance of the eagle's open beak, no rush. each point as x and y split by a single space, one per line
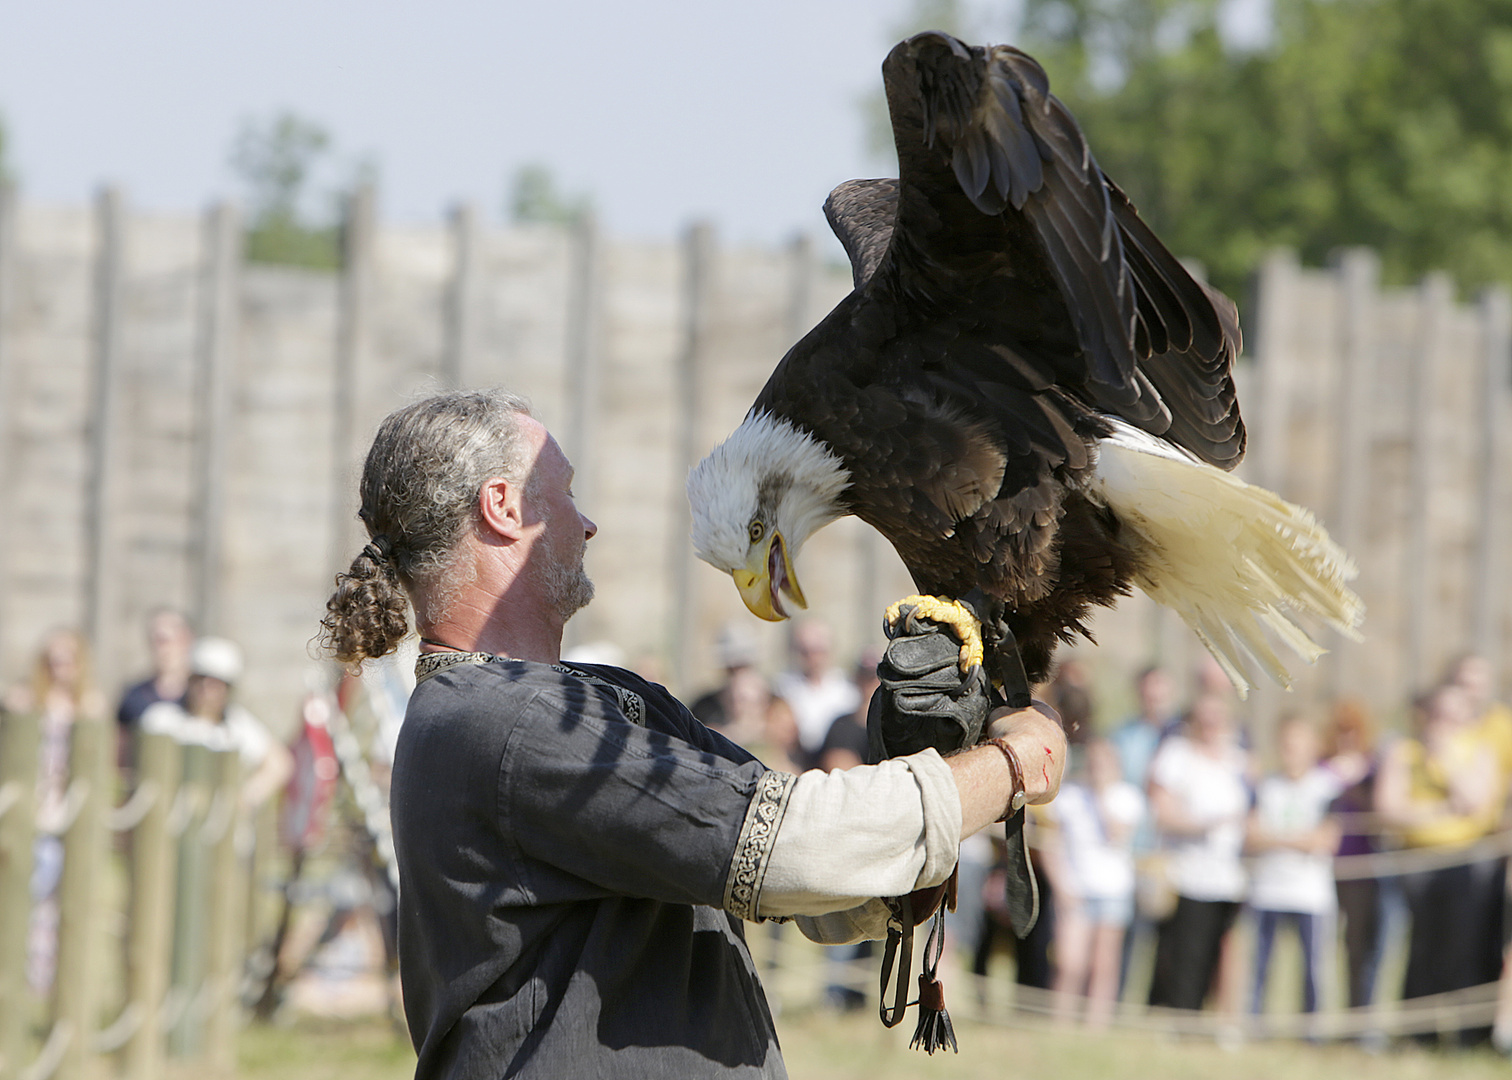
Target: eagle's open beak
767 575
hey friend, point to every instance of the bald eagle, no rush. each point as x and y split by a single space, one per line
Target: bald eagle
1025 392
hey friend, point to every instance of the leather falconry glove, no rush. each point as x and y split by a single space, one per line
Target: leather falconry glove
924 700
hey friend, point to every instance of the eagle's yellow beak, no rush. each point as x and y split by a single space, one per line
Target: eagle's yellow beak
768 573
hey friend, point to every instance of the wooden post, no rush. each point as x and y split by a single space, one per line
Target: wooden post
215 360
149 942
457 347
7 394
1435 297
582 372
1269 415
225 923
698 290
1359 271
1268 420
18 796
102 552
80 911
1489 583
186 1037
800 318
264 841
353 334
582 389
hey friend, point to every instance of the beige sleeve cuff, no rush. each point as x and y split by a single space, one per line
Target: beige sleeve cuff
868 922
847 837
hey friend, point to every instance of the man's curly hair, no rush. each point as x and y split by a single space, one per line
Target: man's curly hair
419 493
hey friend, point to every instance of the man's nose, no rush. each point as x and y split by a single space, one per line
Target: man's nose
589 528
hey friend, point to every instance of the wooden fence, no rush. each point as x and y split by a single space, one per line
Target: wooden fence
150 944
179 426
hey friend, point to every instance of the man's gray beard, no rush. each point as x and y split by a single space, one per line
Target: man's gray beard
568 588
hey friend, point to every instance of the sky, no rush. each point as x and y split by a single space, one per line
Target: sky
661 110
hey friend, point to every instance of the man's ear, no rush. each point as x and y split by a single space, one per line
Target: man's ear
501 508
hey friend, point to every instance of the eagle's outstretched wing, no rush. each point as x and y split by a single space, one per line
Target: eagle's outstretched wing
996 180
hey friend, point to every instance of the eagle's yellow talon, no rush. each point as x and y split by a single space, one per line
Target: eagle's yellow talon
952 613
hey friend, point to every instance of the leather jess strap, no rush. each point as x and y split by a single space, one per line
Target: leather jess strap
1010 683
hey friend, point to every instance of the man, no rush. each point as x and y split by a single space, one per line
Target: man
814 691
169 639
575 849
737 708
1136 739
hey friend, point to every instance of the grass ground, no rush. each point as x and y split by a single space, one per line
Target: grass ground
855 1047
820 1043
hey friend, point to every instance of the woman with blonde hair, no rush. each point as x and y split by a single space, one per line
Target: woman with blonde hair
59 693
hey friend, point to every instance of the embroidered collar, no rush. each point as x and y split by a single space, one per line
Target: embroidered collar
433 663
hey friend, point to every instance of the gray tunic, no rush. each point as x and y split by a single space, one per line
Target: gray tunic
566 837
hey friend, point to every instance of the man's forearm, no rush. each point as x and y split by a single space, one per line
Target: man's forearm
985 779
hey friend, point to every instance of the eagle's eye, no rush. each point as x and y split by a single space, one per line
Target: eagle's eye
758 530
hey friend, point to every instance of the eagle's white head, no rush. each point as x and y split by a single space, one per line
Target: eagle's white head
756 499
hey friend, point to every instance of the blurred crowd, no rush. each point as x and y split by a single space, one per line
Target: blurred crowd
188 695
1172 832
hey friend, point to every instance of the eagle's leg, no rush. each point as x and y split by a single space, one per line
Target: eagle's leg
952 613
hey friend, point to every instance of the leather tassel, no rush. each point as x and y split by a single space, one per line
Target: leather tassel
935 1029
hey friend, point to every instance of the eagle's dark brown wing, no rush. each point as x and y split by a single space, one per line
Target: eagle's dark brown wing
1007 297
980 137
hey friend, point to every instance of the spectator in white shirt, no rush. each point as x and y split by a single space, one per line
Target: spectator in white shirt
1293 839
1097 816
816 691
210 718
1199 796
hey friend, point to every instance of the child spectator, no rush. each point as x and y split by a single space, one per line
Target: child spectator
1097 816
1291 880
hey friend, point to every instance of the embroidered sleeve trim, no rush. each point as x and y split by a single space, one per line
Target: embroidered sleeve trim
753 851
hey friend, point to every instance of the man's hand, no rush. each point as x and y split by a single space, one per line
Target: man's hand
983 778
925 699
1036 736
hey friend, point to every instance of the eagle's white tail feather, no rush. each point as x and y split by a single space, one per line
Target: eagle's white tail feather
1233 560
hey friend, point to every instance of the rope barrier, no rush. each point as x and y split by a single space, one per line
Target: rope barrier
1396 862
175 1003
73 802
10 796
185 804
1028 1006
110 1039
1417 860
219 818
51 1055
130 813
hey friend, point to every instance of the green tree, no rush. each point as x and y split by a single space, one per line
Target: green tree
1378 122
535 198
276 160
1386 123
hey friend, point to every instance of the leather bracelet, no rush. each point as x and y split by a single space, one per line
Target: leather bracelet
1020 790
